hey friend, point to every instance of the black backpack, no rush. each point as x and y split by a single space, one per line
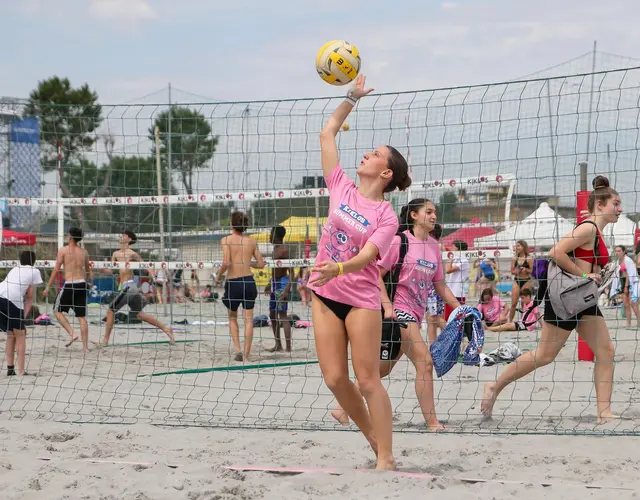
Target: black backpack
391 278
391 338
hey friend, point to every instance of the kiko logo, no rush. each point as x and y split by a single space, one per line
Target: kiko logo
426 263
354 214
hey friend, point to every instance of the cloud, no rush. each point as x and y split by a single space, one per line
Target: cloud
122 10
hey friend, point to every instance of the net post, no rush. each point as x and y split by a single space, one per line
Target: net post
60 214
169 222
161 211
584 351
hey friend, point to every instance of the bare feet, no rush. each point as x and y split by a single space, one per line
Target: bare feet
172 338
276 348
488 400
438 427
387 464
73 339
341 416
606 416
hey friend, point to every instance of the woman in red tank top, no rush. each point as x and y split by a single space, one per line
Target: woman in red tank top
575 254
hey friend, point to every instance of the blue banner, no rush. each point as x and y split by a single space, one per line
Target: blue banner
101 288
25 171
26 130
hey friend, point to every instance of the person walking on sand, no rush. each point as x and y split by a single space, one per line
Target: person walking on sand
73 295
238 252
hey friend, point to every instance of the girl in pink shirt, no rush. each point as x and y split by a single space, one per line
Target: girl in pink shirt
529 316
494 311
421 268
346 304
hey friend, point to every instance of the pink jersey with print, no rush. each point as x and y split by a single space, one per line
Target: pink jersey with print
492 309
422 266
353 221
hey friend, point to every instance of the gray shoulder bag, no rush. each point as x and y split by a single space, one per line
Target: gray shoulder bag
570 294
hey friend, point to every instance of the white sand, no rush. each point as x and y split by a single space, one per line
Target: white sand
104 387
130 462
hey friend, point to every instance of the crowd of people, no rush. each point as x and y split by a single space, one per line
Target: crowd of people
354 301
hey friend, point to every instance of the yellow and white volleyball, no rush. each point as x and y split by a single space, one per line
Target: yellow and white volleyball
345 126
338 62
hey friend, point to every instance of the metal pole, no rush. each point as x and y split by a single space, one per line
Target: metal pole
583 175
161 215
593 70
169 272
553 158
10 180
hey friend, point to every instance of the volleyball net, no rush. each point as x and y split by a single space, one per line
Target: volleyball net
501 162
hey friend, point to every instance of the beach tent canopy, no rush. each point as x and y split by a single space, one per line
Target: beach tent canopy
542 228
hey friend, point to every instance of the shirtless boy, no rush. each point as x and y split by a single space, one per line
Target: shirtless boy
129 294
278 290
240 288
73 295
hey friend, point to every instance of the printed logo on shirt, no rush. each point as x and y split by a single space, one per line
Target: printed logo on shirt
352 217
426 263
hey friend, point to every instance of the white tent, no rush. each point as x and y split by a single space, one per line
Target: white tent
542 228
621 233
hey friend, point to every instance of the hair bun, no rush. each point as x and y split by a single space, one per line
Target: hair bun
404 183
600 182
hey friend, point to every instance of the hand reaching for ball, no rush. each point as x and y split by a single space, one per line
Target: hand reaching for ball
359 89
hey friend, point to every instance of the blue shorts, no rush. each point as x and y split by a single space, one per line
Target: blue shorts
240 292
277 287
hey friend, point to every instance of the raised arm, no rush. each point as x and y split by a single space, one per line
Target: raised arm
328 145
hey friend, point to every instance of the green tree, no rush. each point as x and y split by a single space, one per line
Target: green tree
192 145
70 117
133 176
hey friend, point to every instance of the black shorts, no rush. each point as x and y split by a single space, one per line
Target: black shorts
11 316
392 335
128 296
338 308
240 292
73 296
566 324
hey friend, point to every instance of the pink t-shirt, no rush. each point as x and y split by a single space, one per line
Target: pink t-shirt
422 266
353 220
530 317
492 309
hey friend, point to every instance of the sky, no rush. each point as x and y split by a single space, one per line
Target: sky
252 50
210 51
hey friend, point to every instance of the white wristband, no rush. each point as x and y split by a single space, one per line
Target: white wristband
350 98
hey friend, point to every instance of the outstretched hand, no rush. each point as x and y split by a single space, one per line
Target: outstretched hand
359 89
